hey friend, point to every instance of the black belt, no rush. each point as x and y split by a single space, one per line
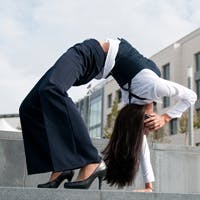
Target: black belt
130 94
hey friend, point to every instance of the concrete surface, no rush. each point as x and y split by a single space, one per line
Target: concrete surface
51 194
176 167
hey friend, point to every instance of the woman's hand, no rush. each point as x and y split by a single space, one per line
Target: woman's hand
148 188
143 190
155 121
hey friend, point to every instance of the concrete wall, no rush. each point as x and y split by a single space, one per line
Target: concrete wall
176 167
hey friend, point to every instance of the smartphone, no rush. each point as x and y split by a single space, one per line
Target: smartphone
146 116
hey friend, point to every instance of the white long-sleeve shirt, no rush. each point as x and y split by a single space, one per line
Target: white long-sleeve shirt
145 163
149 85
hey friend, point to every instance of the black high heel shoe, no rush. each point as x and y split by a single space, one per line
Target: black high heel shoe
85 184
56 182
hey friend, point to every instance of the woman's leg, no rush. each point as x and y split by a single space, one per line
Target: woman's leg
53 130
35 140
69 141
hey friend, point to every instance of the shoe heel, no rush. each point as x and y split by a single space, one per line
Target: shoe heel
69 178
101 177
100 182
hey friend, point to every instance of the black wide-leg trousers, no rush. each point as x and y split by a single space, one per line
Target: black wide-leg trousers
55 136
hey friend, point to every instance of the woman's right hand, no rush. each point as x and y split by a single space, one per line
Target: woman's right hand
155 121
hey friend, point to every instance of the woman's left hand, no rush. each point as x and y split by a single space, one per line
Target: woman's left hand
143 190
155 121
148 188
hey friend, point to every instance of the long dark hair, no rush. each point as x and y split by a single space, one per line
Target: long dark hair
122 154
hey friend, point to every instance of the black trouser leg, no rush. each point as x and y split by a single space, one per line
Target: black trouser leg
55 137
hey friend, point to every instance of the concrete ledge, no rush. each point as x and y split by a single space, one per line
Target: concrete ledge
10 135
177 148
51 194
176 168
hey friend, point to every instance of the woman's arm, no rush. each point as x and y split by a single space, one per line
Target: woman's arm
184 99
146 167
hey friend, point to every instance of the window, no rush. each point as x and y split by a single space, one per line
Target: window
95 117
197 57
173 126
83 108
166 75
109 120
109 100
198 116
197 62
119 96
198 88
166 71
95 132
166 102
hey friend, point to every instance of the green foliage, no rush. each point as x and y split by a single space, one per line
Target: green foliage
111 120
159 136
196 122
184 122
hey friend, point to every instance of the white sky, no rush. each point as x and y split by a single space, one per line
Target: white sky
34 33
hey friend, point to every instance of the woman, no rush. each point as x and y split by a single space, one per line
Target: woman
141 85
55 138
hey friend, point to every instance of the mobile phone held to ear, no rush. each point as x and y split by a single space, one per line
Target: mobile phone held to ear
146 116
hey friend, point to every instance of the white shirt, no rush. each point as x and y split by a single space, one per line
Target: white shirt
148 85
110 58
145 163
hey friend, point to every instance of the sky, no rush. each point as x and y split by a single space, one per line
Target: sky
35 33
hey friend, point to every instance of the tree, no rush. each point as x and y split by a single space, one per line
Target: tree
159 136
111 119
184 122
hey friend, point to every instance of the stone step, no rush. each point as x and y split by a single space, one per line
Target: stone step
176 168
14 193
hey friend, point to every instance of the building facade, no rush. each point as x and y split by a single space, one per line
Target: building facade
174 62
